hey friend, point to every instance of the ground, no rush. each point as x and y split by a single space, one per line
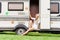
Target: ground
29 36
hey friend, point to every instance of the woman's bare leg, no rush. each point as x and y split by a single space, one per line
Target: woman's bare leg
30 28
30 23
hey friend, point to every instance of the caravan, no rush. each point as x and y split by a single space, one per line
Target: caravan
14 15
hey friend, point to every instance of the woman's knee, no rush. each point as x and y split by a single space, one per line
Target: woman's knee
30 29
30 21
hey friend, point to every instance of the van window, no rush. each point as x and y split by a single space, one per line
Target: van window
15 6
54 8
0 7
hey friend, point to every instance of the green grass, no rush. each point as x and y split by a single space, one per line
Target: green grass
30 36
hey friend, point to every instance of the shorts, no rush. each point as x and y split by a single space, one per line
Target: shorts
35 26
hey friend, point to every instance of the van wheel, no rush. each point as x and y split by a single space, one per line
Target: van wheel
1 31
20 31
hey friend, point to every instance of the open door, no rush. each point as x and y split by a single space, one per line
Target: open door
45 14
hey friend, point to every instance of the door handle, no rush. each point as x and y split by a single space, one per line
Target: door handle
49 9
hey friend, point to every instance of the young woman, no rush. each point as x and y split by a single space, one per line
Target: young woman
34 16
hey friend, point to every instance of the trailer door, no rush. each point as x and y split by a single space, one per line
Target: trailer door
45 14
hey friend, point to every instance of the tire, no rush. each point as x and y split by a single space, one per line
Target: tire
20 31
1 31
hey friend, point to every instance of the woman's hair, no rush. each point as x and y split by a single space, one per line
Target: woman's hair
34 10
34 7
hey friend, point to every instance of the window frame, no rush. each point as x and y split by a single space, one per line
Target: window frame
16 9
58 8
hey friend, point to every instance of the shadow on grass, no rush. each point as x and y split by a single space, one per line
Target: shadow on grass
7 33
41 34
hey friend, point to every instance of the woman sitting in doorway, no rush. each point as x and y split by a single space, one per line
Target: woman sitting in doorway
33 24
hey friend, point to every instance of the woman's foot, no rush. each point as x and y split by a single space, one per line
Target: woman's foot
24 34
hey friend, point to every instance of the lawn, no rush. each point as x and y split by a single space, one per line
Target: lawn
30 36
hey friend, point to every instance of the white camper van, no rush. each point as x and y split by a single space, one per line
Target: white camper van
14 15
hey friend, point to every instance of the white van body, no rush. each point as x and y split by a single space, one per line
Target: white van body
17 16
14 15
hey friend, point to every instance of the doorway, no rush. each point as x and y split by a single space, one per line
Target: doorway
34 7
